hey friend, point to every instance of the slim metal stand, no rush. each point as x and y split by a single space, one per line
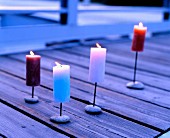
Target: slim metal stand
60 109
135 84
31 99
135 67
93 109
94 98
32 91
61 119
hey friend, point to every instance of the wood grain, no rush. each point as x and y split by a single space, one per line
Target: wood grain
17 125
87 92
82 124
126 113
113 69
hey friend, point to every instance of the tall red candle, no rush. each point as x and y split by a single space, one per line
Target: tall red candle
138 38
32 69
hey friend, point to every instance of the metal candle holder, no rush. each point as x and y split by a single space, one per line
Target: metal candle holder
135 84
31 99
93 109
61 119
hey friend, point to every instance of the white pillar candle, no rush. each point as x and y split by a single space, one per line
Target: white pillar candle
61 88
97 64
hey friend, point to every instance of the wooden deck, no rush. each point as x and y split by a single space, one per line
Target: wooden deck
126 113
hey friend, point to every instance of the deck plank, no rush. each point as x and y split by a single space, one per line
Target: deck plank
161 40
86 90
126 113
111 82
113 69
129 61
149 55
82 124
123 67
17 125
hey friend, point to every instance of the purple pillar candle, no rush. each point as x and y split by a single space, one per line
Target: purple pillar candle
32 69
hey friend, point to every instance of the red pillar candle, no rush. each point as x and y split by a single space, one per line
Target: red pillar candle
138 38
32 69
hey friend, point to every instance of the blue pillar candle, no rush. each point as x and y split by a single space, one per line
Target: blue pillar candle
61 86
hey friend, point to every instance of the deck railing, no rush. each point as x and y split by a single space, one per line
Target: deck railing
19 31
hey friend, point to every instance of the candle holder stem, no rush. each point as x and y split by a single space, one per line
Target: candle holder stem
31 99
93 109
94 98
135 84
60 109
32 91
135 67
61 118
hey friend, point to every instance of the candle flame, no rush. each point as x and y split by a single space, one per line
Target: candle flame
140 24
31 53
98 45
57 64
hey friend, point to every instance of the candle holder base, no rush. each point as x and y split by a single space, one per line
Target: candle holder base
90 109
60 119
135 85
31 100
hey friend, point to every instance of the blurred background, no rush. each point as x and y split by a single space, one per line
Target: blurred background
65 20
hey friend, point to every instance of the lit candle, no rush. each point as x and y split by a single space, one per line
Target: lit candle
138 37
61 77
32 69
97 64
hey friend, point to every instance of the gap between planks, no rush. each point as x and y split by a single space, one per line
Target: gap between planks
114 68
107 110
45 103
15 124
18 58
